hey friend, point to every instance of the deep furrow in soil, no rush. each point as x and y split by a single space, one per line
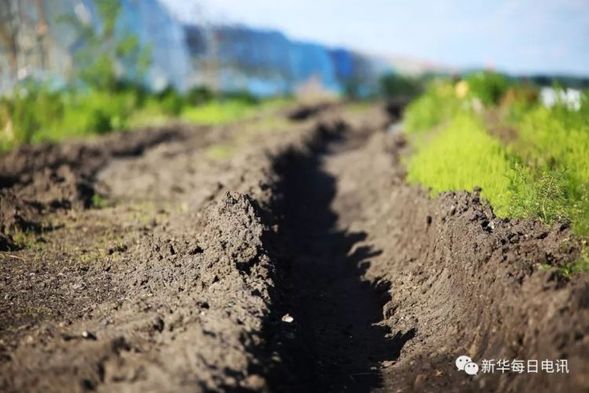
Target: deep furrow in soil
187 294
334 342
388 286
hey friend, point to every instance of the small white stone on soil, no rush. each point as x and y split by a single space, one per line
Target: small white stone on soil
88 335
287 318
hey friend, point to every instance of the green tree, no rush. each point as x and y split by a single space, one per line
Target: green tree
105 53
395 85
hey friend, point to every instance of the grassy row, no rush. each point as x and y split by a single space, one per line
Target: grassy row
462 157
539 171
552 149
35 113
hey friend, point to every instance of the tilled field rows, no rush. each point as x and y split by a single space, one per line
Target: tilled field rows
303 263
181 303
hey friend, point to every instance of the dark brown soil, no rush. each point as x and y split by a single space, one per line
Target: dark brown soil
37 180
300 262
462 281
333 344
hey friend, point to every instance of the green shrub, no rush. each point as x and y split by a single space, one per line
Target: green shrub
30 108
395 85
40 115
93 112
199 95
489 87
171 101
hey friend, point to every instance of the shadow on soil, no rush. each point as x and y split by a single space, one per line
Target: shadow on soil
333 344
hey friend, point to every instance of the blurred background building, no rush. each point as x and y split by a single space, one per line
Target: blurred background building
40 39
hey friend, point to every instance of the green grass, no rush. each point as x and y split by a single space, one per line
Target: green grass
553 180
581 265
542 174
461 157
437 105
34 113
211 113
219 112
99 202
24 239
87 114
223 111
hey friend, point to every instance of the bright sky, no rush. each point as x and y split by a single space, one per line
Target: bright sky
517 36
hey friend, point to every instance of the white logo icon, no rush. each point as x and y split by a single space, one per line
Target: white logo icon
461 361
471 368
465 363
